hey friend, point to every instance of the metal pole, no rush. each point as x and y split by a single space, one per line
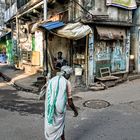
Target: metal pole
45 62
17 37
86 59
45 10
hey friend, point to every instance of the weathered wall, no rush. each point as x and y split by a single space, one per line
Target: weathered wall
98 7
113 54
39 44
57 9
91 63
135 39
136 16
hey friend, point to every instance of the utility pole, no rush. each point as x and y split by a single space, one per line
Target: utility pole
45 9
45 61
17 36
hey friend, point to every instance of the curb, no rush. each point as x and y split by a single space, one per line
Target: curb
5 77
134 77
22 88
17 85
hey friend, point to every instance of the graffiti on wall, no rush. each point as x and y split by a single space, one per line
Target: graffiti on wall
118 57
91 66
102 52
113 51
127 47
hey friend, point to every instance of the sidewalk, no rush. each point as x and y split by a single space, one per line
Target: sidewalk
20 79
26 81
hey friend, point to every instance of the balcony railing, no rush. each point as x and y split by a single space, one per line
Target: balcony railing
26 5
10 12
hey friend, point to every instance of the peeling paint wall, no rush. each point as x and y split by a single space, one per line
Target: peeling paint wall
113 54
91 60
39 45
135 39
98 7
127 46
57 9
75 10
118 57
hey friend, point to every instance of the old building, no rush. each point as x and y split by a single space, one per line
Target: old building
91 34
19 18
111 23
108 43
2 33
135 41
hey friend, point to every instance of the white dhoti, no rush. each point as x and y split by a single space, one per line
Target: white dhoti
55 119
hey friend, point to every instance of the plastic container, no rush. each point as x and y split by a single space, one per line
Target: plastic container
78 71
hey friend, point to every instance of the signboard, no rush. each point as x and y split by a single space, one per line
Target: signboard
127 4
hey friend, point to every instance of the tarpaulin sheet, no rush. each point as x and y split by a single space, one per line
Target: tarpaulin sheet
74 31
127 4
52 25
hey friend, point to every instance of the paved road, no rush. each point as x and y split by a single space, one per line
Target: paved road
21 115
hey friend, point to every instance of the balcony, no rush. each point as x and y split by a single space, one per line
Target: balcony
10 12
23 5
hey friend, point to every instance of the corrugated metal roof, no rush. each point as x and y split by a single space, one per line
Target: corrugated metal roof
52 25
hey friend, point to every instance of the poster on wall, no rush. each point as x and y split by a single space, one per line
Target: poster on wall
127 4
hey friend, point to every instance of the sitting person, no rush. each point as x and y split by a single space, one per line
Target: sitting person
59 61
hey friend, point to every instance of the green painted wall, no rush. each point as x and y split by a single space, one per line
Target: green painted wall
2 45
33 43
9 51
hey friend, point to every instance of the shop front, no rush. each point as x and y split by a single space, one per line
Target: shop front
72 40
112 47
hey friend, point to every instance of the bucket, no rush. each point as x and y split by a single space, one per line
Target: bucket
78 71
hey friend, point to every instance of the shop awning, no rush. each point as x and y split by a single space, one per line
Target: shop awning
109 33
74 31
52 25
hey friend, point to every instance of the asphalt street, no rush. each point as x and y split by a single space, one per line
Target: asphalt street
21 115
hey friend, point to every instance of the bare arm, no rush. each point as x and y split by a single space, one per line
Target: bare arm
72 106
70 101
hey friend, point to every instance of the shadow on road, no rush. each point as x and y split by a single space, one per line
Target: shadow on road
9 100
23 107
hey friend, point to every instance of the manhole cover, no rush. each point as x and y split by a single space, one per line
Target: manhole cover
96 104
